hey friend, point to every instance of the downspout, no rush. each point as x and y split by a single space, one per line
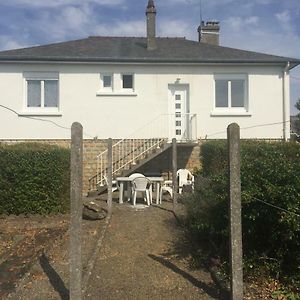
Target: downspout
285 102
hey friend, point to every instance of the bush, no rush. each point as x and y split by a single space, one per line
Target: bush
34 179
214 157
269 172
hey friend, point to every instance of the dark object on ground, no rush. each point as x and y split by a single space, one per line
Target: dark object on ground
92 211
218 277
187 188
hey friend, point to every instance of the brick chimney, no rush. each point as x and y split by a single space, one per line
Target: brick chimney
209 32
151 16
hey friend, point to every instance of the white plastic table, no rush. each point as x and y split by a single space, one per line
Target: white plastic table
128 180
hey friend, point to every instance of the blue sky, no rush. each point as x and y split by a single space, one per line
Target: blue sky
269 26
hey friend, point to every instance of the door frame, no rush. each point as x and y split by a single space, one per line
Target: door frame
172 88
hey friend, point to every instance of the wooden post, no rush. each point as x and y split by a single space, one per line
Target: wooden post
174 172
109 176
76 212
236 251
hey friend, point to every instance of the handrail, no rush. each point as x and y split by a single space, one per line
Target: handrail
126 151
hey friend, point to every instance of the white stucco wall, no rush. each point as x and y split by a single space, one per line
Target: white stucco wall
120 116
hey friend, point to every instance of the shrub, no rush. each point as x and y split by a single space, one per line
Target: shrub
34 178
214 157
269 172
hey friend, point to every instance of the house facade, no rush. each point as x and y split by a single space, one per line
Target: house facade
143 88
214 96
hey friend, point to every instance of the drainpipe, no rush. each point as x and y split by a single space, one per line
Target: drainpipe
286 102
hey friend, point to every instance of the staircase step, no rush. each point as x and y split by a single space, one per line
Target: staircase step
145 158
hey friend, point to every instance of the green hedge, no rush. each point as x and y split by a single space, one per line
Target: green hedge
34 179
269 172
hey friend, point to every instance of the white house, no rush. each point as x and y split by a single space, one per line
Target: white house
149 87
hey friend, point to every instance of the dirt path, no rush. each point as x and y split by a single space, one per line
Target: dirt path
145 256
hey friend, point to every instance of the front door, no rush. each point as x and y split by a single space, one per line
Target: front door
179 112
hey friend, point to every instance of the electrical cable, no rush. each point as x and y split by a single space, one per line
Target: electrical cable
42 120
274 206
249 127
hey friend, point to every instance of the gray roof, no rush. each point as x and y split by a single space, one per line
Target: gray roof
131 49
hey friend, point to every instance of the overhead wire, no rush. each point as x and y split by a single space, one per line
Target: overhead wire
249 127
275 206
42 120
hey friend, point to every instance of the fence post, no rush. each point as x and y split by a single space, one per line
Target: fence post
109 176
236 251
174 172
76 212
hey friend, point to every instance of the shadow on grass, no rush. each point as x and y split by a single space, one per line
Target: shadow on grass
209 290
54 278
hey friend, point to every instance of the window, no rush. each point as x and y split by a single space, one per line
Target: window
231 91
116 85
127 81
41 91
107 81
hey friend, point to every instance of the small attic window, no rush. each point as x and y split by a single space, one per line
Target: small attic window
127 81
107 81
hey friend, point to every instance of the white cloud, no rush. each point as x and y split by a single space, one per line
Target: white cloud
57 3
8 43
238 23
175 28
264 2
252 20
284 19
135 28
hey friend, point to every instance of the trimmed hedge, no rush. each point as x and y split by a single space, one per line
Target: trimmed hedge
34 179
269 172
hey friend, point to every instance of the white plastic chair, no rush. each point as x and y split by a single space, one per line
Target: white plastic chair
185 177
141 184
115 186
166 187
135 175
130 188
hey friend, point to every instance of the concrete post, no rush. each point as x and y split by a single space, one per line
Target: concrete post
236 251
109 175
76 212
174 172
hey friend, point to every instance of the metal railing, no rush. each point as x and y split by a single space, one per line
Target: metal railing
127 152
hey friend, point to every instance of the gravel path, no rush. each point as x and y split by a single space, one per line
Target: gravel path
145 256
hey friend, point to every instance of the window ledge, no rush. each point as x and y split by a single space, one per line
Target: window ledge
230 113
40 113
112 94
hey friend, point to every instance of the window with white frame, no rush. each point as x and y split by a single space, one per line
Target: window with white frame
127 81
41 91
107 81
117 84
231 92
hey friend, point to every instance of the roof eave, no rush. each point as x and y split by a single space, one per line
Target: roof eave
53 59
